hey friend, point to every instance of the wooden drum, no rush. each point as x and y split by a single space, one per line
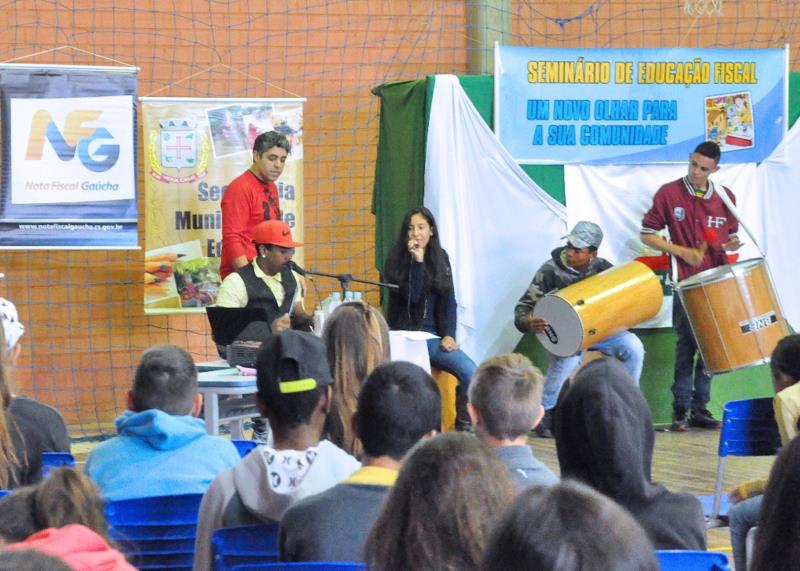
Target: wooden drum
593 309
734 314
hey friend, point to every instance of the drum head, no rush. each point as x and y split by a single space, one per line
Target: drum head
714 275
564 337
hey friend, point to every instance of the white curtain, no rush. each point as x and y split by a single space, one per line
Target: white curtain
497 225
779 215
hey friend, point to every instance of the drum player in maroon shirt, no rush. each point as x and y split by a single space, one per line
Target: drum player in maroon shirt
701 230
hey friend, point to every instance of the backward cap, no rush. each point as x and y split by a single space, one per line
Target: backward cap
585 234
292 362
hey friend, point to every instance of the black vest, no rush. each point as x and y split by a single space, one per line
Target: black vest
259 295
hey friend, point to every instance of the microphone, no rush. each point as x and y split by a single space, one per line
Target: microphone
293 265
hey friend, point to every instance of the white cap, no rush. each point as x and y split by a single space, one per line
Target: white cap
12 327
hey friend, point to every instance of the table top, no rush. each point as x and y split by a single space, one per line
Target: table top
228 377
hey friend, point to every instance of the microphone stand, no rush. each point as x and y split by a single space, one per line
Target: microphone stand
346 279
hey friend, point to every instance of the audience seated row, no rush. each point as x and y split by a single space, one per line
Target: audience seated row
417 500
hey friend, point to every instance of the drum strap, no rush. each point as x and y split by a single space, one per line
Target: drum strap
730 206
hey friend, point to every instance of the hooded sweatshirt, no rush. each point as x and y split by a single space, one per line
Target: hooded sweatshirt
263 485
604 438
157 454
78 546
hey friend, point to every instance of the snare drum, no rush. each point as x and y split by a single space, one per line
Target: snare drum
734 314
595 308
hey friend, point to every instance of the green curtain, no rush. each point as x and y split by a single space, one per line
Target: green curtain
400 166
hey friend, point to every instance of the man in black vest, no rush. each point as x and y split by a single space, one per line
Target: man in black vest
268 281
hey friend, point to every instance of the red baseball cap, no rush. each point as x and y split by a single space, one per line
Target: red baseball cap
276 232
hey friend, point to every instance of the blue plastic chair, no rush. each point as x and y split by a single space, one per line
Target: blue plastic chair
677 560
157 532
748 429
302 566
52 460
245 446
231 546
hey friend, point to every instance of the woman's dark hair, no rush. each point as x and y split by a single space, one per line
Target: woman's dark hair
438 516
559 527
66 496
398 260
777 545
786 358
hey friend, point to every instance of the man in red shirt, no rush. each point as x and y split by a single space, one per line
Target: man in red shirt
250 198
701 230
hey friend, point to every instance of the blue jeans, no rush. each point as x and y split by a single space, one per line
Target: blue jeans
457 363
743 516
625 346
688 372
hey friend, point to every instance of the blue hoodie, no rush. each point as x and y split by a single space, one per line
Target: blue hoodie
158 454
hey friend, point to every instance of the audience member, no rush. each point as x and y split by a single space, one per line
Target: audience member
450 493
398 405
78 546
293 381
162 447
61 516
34 426
30 560
604 438
776 545
505 404
357 340
568 527
747 497
66 496
9 465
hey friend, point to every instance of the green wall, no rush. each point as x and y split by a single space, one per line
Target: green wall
659 343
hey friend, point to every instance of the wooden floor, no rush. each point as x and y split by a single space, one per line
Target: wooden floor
686 463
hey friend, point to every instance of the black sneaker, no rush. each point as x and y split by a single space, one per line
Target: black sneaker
701 418
462 422
679 422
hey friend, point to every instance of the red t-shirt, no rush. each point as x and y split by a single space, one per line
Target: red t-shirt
692 220
246 202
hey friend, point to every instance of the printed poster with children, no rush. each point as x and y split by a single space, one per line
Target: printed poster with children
729 121
193 149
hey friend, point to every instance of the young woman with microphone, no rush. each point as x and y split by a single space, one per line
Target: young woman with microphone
426 299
